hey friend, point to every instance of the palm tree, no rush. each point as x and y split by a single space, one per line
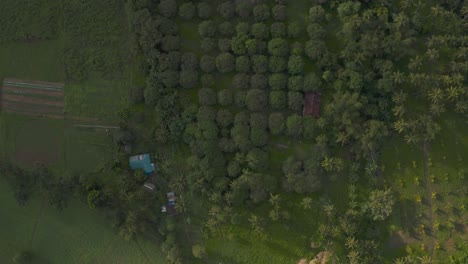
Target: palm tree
342 138
400 125
453 92
399 97
274 199
436 95
399 110
400 261
425 260
351 243
327 164
415 63
432 54
437 109
398 77
306 202
411 138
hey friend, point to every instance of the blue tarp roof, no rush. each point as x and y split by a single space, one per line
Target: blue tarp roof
143 162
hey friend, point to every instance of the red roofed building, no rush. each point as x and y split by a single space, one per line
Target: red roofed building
311 104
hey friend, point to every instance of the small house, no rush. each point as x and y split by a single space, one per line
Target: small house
142 161
311 104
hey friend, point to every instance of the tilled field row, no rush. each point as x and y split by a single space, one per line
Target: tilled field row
33 84
18 90
31 108
30 100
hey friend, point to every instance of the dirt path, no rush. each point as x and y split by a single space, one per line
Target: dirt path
30 100
36 223
429 196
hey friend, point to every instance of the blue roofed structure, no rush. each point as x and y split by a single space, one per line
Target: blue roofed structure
143 162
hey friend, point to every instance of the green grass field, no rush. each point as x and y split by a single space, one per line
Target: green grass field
74 235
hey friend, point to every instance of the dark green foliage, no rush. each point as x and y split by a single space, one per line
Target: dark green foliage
242 118
208 63
208 44
278 81
241 81
187 11
170 43
277 64
295 101
169 61
233 169
227 145
136 94
209 129
258 81
261 12
243 9
294 126
278 100
170 78
168 8
226 29
167 26
225 97
295 65
242 28
225 62
243 64
207 80
256 100
258 136
314 49
260 31
224 118
207 96
188 79
240 98
259 63
224 45
257 159
204 10
276 123
207 29
189 62
312 83
302 176
241 136
279 12
317 14
278 30
380 204
206 113
315 31
238 44
296 83
308 123
226 9
278 47
294 30
258 120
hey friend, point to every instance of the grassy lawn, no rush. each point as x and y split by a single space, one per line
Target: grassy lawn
74 235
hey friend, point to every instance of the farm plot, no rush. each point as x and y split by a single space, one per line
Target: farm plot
34 98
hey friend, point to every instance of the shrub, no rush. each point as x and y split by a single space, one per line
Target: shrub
226 29
278 30
314 49
312 83
279 12
259 63
207 96
278 47
294 125
204 10
257 159
278 81
258 137
189 61
208 63
295 65
243 9
241 81
315 31
187 11
295 101
276 123
258 120
224 45
199 251
225 97
277 64
317 14
256 100
226 9
188 79
258 81
296 83
208 44
207 29
238 44
294 30
242 28
225 62
206 113
207 80
224 118
278 100
260 31
170 43
261 12
243 64
168 8
239 98
169 61
170 78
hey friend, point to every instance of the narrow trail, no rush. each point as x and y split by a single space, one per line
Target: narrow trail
36 223
429 196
